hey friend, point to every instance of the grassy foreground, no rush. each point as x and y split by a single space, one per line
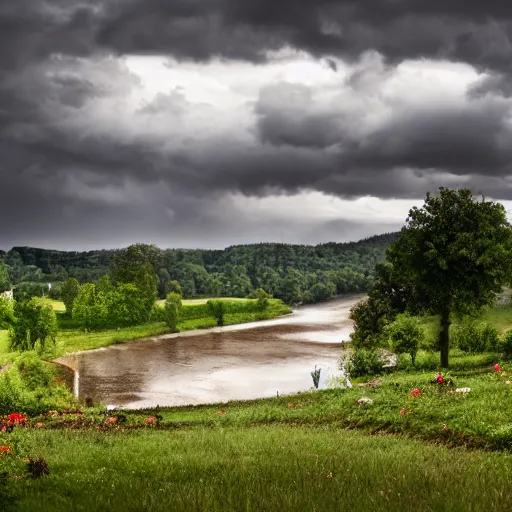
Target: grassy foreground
317 451
265 468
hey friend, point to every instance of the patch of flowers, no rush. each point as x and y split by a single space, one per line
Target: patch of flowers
441 380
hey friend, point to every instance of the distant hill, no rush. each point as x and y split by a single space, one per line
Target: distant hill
292 272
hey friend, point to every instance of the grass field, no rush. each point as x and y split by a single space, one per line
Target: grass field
264 468
311 451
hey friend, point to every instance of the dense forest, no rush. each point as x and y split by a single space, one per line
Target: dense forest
294 273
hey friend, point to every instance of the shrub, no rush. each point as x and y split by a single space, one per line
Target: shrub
476 338
172 310
69 293
218 310
506 344
364 362
406 334
34 326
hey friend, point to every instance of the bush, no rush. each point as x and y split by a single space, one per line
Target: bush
475 338
406 334
34 326
506 344
364 362
30 386
69 293
218 310
172 310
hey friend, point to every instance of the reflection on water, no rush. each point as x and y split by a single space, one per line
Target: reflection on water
237 362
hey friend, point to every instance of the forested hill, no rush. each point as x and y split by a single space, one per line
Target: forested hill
295 273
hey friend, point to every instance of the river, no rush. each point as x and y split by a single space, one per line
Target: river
237 362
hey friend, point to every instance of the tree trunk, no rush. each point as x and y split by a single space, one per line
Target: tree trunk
444 338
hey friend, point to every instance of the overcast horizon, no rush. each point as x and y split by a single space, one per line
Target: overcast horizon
211 123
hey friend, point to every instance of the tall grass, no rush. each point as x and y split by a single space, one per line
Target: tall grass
258 469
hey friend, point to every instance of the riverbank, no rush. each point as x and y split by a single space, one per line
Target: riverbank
195 317
317 450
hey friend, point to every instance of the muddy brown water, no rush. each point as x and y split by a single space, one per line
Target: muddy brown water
238 362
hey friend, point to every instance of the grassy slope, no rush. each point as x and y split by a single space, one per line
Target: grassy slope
265 468
291 453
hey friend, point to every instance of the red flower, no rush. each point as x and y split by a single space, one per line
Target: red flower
440 378
416 392
16 417
111 420
402 411
5 449
150 420
497 368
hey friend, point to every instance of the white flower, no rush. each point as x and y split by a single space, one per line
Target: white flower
462 390
364 401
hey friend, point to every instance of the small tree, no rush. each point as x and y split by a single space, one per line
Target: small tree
172 310
217 309
5 282
262 297
6 313
174 287
34 326
90 310
69 294
406 334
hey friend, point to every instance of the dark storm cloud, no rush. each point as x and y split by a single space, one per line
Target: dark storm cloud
63 170
473 31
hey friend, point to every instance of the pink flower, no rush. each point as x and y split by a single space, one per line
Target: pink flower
497 368
416 392
440 378
150 420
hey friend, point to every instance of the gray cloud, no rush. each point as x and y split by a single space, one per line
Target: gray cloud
74 162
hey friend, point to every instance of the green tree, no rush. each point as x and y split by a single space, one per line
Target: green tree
136 265
90 310
34 326
172 310
125 306
5 282
6 313
218 310
174 287
406 334
455 253
69 293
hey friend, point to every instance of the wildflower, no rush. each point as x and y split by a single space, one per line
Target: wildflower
402 411
439 378
462 390
5 449
111 420
497 368
39 424
150 420
16 417
416 392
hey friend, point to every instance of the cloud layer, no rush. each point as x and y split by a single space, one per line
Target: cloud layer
152 120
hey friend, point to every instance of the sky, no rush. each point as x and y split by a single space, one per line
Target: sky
209 123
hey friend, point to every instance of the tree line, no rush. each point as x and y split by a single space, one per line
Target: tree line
293 273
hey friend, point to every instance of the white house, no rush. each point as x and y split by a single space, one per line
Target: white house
7 295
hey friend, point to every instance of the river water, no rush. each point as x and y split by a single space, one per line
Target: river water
245 361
